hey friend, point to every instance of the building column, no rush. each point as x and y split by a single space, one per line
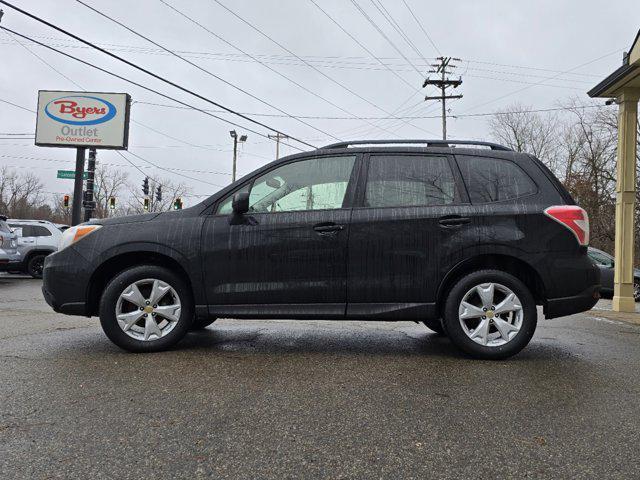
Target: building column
623 300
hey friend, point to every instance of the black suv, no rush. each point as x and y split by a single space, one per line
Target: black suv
466 237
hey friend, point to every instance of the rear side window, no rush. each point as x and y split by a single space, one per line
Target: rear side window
493 179
409 180
39 231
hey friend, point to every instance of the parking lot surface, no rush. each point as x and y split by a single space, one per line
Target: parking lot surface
313 399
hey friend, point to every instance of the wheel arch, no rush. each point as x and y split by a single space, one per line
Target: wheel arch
37 251
117 263
507 263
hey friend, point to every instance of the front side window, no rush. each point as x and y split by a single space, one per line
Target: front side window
409 180
493 179
313 184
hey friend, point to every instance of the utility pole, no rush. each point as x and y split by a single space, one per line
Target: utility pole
277 137
443 67
89 201
236 139
76 207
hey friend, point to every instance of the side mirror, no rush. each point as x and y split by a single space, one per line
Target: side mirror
240 203
18 232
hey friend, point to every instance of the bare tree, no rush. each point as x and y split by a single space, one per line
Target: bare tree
109 183
525 131
21 195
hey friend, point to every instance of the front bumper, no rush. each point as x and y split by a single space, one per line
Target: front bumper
64 282
560 307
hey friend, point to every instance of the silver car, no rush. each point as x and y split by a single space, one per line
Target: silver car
36 240
8 245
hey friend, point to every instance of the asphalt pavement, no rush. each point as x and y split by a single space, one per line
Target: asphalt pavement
312 399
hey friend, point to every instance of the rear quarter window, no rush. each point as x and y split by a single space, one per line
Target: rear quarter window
494 179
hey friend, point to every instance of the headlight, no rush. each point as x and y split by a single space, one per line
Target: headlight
73 234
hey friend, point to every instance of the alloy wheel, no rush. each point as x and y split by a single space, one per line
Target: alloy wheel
490 314
148 309
636 291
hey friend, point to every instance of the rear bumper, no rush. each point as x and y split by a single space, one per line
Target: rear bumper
560 307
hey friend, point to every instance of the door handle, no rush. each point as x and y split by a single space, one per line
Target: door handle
453 221
325 228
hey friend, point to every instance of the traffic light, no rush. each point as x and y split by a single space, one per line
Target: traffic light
177 204
146 204
65 201
145 186
112 203
159 193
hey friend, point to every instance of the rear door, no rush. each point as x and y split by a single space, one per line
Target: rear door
411 222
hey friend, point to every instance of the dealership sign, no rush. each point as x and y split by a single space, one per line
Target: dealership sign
82 119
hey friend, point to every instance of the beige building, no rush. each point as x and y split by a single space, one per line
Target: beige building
624 86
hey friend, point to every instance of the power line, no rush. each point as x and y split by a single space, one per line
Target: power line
82 88
348 33
261 62
391 21
136 84
338 59
336 64
384 35
199 67
331 79
148 72
40 58
15 104
167 170
540 82
421 27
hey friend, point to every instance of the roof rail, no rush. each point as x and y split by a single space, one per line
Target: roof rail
428 143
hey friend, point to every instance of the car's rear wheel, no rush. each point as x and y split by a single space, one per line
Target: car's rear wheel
490 314
146 309
35 266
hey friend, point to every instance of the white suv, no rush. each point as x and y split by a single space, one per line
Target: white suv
36 240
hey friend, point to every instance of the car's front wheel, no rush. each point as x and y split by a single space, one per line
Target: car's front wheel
490 314
146 309
636 289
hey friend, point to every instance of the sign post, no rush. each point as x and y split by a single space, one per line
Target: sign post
90 204
76 212
82 120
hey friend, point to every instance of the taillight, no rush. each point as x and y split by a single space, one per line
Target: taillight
572 217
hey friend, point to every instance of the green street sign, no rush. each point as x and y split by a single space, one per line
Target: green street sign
70 174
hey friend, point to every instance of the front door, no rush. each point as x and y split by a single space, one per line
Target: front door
288 254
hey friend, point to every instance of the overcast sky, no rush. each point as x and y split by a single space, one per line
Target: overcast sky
535 53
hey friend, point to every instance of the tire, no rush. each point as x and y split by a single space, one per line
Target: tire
636 289
201 323
176 303
36 265
435 324
516 326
